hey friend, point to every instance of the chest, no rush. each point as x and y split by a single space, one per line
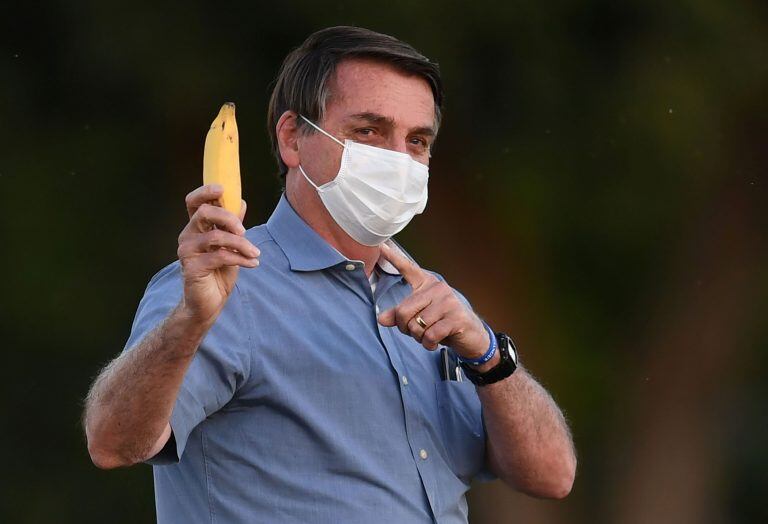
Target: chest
317 342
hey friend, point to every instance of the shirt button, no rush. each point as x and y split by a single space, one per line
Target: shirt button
423 454
405 380
349 267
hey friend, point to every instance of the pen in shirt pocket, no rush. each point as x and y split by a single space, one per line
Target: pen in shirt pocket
449 366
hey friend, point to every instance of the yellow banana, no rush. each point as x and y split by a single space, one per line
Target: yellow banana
221 159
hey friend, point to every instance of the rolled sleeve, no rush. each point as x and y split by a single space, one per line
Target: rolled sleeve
220 366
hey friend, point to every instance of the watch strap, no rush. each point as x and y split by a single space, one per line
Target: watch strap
506 366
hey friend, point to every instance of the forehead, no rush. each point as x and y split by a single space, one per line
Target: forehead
360 86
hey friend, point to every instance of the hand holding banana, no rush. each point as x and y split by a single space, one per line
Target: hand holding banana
444 318
213 246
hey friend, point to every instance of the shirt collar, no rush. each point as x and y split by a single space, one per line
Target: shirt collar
304 248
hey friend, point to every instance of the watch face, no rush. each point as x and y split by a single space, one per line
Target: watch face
510 347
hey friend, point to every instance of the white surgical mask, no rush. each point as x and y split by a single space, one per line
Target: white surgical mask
376 192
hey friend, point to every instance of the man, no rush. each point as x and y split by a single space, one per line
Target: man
307 370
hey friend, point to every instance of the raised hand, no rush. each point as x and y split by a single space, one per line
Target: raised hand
212 247
433 314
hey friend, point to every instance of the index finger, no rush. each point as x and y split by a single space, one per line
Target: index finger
207 194
410 270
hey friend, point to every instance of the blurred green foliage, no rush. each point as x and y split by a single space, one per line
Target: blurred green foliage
591 137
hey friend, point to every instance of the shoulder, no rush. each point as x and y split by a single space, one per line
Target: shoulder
170 278
167 277
259 235
271 260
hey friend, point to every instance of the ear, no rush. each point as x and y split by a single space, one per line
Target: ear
287 139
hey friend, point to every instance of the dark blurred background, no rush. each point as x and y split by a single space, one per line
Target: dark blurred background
598 190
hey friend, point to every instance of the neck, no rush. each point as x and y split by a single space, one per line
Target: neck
307 204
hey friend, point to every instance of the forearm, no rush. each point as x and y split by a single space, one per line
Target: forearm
129 405
529 444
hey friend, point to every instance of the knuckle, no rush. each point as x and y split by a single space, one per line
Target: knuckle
199 216
212 211
453 302
185 247
215 236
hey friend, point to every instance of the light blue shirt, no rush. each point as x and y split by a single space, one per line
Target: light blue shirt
300 408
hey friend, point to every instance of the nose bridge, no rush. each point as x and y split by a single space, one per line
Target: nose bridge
398 141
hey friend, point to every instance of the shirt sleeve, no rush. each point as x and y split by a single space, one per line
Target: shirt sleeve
220 366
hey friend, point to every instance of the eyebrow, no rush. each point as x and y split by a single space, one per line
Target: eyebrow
376 118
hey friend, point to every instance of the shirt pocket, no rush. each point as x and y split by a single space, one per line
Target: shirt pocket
461 424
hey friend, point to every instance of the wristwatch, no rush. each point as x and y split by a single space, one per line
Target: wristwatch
507 365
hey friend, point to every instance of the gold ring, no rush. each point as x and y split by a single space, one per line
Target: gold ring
420 321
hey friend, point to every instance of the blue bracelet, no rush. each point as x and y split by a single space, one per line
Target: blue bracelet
488 354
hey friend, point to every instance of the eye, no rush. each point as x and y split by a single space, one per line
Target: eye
365 131
421 144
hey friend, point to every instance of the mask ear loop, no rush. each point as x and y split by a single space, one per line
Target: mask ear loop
323 131
308 179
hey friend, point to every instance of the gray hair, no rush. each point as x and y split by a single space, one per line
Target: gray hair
302 85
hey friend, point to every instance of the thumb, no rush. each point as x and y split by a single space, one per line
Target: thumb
243 205
387 318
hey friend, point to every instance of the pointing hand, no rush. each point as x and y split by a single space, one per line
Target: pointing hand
433 314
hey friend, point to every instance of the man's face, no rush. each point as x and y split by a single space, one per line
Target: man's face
374 104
